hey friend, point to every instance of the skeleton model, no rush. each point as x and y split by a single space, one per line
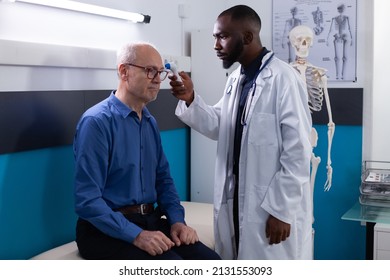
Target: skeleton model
318 20
341 31
301 38
290 24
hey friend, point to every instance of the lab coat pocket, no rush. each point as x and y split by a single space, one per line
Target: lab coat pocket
262 130
256 214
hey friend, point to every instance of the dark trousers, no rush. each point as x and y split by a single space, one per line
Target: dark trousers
95 245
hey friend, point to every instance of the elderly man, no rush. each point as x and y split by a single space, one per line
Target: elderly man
122 173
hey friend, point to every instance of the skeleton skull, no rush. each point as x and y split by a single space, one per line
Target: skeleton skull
301 37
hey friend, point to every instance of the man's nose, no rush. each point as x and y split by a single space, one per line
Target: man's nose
217 45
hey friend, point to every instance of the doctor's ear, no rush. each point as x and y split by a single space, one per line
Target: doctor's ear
248 37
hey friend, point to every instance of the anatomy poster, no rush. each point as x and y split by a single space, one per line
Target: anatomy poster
334 27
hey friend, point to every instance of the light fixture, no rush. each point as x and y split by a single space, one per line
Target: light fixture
90 9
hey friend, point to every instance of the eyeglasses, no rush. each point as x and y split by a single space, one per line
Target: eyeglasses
151 73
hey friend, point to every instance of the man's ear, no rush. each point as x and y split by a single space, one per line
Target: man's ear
122 71
248 37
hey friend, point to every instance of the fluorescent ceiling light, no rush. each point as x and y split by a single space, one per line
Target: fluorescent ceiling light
90 9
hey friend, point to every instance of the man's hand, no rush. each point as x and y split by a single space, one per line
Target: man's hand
153 242
182 234
276 230
182 90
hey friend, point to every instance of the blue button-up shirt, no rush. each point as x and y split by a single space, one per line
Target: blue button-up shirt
119 160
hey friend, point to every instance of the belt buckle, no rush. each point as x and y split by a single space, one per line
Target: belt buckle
143 209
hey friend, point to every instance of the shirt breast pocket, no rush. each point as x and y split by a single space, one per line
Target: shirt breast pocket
262 130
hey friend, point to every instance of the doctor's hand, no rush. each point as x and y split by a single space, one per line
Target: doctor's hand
183 90
182 234
153 242
276 230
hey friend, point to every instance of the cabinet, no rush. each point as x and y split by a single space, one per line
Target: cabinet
381 242
377 221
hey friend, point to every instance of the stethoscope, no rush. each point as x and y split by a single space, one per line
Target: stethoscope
251 93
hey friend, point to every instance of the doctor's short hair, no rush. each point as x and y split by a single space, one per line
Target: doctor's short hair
241 13
128 52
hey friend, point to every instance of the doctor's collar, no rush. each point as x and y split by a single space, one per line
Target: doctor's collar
251 70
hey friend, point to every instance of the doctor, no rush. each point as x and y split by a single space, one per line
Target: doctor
262 205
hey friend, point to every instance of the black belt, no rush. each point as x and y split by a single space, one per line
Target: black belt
142 209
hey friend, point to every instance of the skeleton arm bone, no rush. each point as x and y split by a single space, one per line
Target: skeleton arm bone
315 161
331 130
328 183
285 34
330 31
349 30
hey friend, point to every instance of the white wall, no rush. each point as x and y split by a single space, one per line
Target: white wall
32 23
50 26
380 102
26 22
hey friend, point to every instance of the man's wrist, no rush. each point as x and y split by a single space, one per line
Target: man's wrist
191 100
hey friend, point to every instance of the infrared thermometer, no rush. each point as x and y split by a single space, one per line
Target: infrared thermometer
171 66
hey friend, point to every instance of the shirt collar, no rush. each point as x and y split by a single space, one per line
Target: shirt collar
251 70
125 110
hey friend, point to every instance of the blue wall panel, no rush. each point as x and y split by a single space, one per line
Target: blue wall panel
36 201
337 239
177 151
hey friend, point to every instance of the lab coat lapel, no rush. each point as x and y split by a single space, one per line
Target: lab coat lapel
232 110
261 81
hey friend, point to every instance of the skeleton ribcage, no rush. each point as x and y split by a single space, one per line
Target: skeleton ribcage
314 88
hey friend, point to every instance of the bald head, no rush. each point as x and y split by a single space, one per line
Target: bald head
131 52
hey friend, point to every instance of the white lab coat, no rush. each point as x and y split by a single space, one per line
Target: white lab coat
274 163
